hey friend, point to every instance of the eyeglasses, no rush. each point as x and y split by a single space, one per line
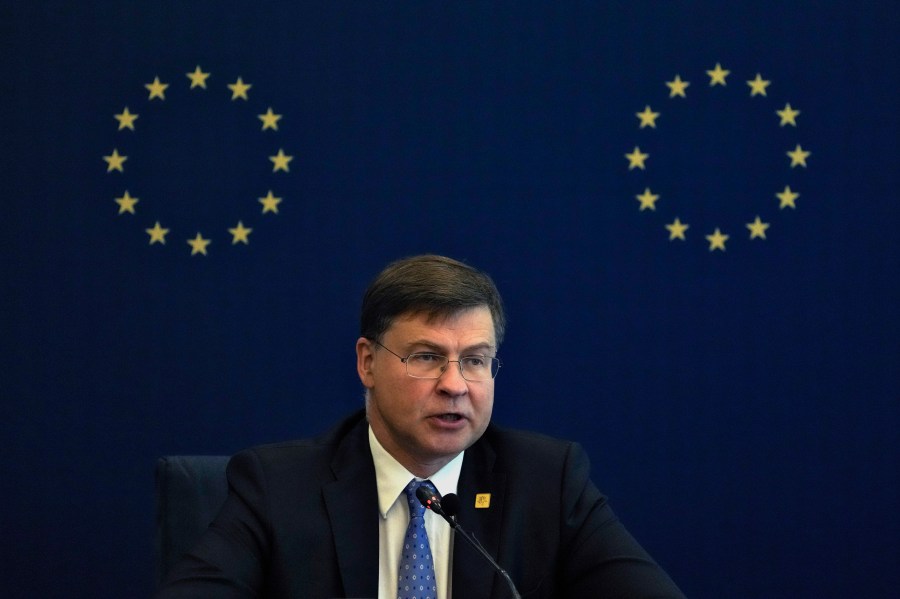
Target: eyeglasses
425 365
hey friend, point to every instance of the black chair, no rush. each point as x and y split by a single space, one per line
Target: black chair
189 492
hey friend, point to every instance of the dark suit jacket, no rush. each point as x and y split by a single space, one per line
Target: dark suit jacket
301 521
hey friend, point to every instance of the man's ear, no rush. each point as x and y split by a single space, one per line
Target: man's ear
365 358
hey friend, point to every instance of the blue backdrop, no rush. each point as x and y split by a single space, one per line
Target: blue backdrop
739 396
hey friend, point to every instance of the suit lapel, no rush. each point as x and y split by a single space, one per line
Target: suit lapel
352 504
473 576
351 501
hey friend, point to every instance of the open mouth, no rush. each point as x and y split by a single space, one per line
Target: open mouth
449 417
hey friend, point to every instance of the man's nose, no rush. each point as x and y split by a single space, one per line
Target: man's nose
451 380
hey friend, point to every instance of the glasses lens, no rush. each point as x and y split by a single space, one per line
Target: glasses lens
425 366
432 366
479 368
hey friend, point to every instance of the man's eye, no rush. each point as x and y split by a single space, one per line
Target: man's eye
426 358
475 361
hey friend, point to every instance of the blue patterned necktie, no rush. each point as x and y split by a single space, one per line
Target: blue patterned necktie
416 574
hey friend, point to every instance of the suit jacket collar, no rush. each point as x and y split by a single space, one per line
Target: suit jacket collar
352 504
473 576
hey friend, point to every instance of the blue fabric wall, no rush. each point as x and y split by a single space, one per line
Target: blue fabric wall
740 406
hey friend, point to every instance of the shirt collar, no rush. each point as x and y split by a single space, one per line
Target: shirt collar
391 477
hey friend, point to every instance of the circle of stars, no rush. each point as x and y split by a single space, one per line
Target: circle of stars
638 159
128 204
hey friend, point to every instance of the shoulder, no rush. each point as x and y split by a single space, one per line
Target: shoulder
516 440
532 452
312 453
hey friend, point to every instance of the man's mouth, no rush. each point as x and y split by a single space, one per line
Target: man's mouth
449 417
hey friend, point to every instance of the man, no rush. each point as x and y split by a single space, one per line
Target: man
335 516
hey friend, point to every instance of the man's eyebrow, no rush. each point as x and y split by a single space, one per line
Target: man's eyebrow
480 347
428 345
432 347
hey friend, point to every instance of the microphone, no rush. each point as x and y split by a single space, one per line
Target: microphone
447 509
450 502
432 501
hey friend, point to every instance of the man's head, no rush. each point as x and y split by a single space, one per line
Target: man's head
435 286
439 309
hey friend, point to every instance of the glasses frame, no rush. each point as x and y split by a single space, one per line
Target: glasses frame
462 372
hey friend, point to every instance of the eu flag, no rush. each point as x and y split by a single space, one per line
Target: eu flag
690 208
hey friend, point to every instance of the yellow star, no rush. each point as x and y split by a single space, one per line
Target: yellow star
757 229
787 198
636 159
677 229
758 86
270 120
280 161
648 117
647 199
798 156
239 89
126 119
270 203
240 233
717 240
717 75
788 115
126 203
677 87
157 234
198 78
115 161
157 89
198 244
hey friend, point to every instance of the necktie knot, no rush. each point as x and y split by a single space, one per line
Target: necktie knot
416 509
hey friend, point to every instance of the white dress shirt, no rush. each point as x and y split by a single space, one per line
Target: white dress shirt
392 479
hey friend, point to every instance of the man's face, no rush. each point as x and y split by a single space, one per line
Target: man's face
425 423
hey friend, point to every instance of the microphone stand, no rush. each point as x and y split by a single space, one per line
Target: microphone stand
433 502
474 543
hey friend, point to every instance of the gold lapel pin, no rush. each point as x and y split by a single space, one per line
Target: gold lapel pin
482 500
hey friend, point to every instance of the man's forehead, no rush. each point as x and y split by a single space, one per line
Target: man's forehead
475 319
